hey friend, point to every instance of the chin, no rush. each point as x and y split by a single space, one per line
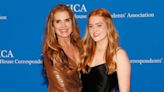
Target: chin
96 39
65 36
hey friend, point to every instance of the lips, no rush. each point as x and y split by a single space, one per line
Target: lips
96 34
63 30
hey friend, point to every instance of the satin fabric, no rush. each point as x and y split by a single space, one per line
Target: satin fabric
98 80
62 78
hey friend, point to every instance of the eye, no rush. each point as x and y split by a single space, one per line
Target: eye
57 21
99 25
68 20
90 26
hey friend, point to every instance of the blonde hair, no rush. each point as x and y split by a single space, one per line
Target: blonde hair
90 45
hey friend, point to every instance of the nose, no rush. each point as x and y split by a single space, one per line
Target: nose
63 24
94 28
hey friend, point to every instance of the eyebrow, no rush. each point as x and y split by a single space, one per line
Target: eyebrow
68 19
60 19
96 23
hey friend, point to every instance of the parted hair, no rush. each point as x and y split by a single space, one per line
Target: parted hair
90 45
51 49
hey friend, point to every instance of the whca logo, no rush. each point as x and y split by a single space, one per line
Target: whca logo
6 54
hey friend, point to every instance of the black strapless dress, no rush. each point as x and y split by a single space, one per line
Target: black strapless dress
97 80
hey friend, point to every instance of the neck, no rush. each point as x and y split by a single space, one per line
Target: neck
64 42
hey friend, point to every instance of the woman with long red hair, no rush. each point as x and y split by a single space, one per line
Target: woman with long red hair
61 51
105 64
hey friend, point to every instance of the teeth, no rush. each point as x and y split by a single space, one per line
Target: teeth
63 30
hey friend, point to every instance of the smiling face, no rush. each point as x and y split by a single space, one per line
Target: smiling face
62 24
97 28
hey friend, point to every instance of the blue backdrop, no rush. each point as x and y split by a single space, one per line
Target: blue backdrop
22 25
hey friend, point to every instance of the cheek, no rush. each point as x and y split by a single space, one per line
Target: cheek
57 32
91 33
104 30
70 26
56 25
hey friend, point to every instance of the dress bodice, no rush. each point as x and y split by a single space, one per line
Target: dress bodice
62 78
98 80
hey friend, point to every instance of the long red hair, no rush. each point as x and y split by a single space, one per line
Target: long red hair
90 45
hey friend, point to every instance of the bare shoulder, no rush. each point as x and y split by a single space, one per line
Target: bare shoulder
121 56
123 70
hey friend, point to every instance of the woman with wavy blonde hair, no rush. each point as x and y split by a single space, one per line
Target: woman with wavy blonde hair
105 65
61 51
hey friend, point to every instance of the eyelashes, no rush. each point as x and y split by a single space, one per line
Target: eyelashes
66 20
91 27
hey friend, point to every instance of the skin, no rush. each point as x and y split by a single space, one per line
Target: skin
63 27
98 31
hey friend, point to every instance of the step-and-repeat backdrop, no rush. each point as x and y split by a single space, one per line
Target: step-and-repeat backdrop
22 25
